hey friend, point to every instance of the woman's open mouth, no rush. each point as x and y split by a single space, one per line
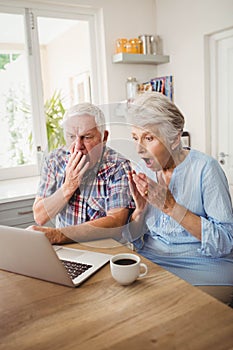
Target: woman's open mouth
149 162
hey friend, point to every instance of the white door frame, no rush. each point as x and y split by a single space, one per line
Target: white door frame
211 90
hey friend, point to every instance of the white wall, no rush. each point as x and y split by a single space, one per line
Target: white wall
182 25
126 19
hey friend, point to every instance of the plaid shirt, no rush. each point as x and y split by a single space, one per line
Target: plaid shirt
103 188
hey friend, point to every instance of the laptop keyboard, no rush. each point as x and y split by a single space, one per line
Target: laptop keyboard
75 269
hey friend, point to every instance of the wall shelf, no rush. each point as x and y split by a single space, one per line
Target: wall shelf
139 58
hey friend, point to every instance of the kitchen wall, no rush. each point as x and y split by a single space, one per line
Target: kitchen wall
126 19
183 25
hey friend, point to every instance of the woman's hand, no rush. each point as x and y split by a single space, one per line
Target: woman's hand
156 193
139 189
159 194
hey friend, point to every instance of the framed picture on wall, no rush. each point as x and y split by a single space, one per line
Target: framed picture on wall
81 88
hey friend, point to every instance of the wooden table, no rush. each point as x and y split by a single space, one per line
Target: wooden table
159 311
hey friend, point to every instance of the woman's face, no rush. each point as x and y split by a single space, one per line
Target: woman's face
151 148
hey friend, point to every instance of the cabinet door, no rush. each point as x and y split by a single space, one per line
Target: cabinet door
17 213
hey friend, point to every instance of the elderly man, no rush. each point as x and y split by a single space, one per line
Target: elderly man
84 184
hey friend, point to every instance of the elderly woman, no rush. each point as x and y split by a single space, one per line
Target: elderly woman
183 219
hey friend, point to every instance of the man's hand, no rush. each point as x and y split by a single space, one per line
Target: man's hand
54 235
75 169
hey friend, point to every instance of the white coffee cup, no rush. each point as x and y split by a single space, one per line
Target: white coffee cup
126 268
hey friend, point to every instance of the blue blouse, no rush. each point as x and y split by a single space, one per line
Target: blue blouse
200 185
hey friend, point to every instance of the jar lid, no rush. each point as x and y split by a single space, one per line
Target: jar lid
131 79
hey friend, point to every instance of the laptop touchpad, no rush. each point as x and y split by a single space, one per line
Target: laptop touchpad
67 253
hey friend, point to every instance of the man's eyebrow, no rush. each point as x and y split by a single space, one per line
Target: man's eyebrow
86 133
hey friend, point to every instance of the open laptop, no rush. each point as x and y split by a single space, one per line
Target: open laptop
30 253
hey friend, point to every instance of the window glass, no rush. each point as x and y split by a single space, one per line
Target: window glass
65 67
15 107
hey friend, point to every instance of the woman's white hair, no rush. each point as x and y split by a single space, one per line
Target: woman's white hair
87 108
154 109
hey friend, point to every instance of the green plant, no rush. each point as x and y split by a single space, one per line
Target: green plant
7 58
17 116
54 112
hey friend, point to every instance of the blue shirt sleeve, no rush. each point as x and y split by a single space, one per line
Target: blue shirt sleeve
217 225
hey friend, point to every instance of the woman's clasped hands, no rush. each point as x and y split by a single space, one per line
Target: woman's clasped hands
145 190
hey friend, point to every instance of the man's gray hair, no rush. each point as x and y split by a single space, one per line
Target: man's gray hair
155 109
87 108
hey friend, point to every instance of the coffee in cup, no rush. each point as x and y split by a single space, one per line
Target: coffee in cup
126 268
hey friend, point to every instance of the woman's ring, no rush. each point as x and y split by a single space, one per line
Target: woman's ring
146 192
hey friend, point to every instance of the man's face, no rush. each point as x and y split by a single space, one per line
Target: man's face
82 133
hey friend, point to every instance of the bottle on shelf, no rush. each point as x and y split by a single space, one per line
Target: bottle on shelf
131 89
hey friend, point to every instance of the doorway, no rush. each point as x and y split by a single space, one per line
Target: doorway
219 91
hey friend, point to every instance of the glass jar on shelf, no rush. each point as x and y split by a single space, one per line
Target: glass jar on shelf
121 45
133 46
131 89
149 44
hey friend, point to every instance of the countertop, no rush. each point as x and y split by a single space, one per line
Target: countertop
18 189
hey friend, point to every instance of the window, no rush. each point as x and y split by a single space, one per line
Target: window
46 66
17 148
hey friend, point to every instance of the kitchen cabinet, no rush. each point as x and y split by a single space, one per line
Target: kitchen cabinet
139 58
16 200
17 213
